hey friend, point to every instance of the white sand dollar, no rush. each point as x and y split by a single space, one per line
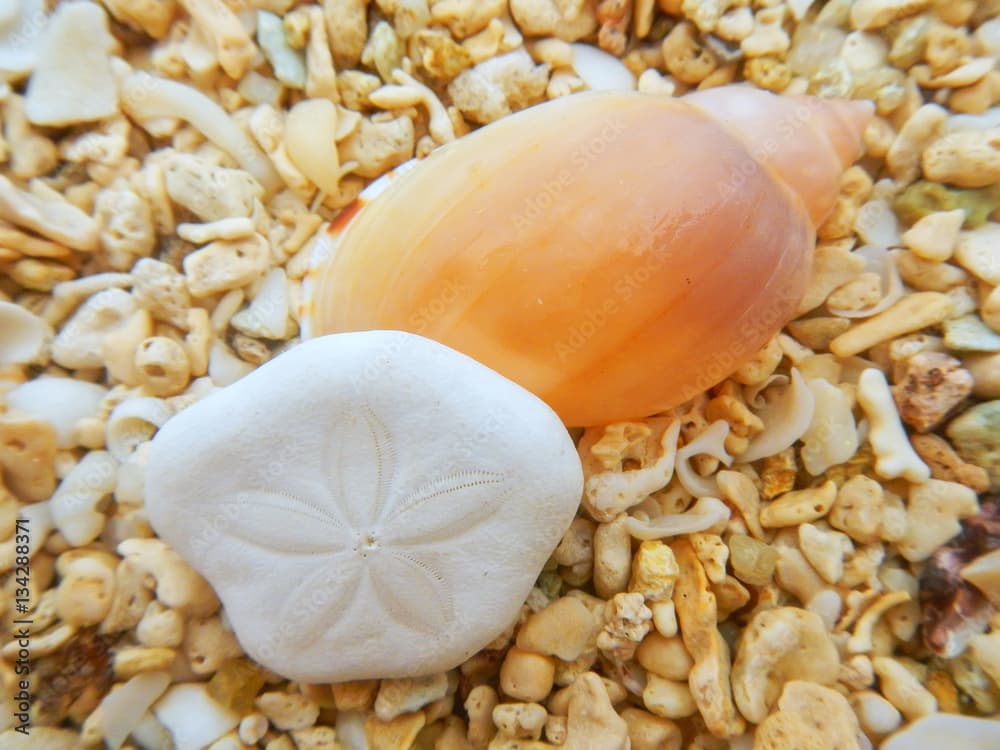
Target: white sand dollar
366 505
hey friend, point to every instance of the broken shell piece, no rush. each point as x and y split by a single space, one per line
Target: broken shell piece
121 710
62 402
832 437
339 506
147 97
953 609
289 65
23 335
133 422
877 261
707 513
267 315
43 210
984 574
711 441
786 417
310 131
73 81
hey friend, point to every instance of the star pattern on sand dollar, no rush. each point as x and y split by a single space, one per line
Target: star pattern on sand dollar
371 532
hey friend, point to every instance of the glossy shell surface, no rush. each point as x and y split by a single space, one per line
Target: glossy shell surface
614 253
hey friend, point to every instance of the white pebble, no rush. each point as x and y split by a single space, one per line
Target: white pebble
62 402
193 717
601 71
23 336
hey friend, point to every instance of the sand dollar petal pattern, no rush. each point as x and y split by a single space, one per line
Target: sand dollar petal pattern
354 501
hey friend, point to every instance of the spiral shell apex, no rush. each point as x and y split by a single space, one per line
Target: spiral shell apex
613 252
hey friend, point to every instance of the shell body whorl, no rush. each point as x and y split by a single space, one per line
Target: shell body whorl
614 253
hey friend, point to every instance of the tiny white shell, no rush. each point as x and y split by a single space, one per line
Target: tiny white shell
133 422
74 504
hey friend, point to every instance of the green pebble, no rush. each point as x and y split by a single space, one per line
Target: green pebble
236 683
976 436
970 334
923 197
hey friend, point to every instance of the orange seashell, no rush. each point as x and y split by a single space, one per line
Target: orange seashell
613 252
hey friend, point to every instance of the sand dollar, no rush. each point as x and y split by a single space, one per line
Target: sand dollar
366 504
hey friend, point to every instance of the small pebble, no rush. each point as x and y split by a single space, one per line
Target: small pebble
976 436
970 334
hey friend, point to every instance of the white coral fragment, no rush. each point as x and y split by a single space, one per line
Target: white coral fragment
78 345
73 81
895 456
211 192
780 645
609 493
499 86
